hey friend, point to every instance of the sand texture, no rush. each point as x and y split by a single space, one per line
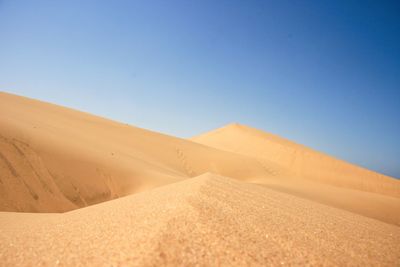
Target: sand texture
56 159
80 190
208 220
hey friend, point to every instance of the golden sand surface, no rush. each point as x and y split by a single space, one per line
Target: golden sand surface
209 220
81 190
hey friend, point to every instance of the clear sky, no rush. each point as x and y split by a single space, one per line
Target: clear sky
322 73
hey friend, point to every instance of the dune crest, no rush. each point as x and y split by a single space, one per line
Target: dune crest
311 174
207 220
85 159
303 162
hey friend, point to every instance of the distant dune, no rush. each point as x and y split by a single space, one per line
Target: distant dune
301 161
233 196
311 174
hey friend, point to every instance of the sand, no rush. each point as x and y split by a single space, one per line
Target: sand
77 189
208 220
311 174
57 159
303 162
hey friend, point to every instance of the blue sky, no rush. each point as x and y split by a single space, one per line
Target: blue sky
323 73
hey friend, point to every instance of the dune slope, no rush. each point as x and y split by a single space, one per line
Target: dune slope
55 159
310 174
301 161
207 220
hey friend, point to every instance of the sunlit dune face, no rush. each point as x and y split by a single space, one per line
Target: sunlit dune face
100 192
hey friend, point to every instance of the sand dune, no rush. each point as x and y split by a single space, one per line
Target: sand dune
56 159
207 220
300 160
234 196
311 174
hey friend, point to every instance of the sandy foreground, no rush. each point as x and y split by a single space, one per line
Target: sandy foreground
207 220
76 189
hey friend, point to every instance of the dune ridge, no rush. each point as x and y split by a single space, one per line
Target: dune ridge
207 220
91 159
302 161
311 174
